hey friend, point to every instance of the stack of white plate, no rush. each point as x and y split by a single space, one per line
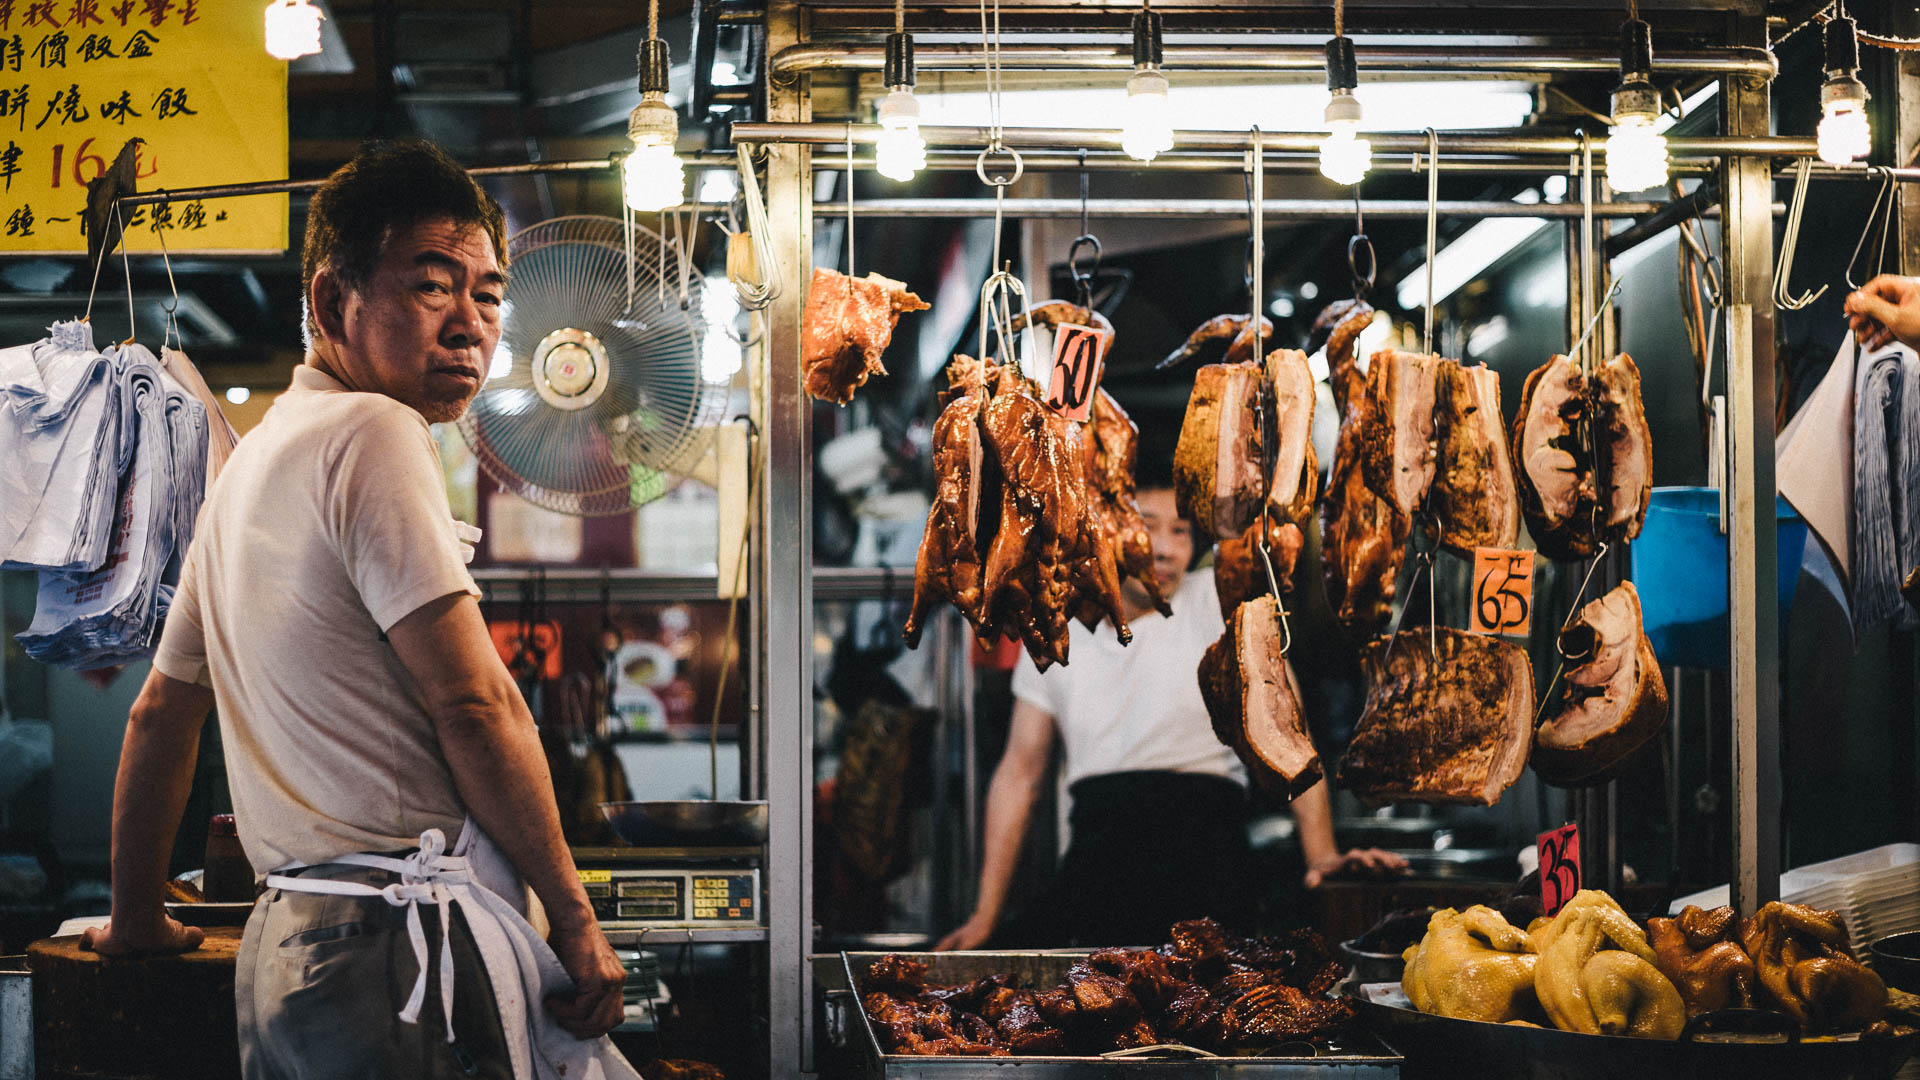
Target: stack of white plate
1877 892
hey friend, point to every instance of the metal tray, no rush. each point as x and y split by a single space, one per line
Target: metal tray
1442 1047
1366 1059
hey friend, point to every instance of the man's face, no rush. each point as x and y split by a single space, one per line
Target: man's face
423 328
1172 536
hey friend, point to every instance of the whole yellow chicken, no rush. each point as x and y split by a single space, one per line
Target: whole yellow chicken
1472 965
1586 986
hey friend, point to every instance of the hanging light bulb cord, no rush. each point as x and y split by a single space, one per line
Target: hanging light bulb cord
899 16
1339 18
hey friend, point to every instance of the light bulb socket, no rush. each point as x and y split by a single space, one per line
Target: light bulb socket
899 106
898 70
1842 47
1343 73
654 64
1342 108
1636 51
1146 38
653 120
1843 88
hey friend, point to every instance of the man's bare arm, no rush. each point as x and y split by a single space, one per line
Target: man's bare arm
1010 797
493 751
149 795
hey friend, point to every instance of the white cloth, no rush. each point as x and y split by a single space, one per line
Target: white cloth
60 432
522 969
1128 708
328 525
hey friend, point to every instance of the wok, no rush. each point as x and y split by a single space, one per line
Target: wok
1437 1047
688 823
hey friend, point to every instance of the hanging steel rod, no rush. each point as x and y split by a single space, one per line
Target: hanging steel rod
1384 59
1450 143
1279 209
1383 164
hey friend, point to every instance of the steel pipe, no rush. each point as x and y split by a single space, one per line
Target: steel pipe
1292 209
1266 57
1298 141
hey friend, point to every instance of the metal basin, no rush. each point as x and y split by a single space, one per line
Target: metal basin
1897 959
688 823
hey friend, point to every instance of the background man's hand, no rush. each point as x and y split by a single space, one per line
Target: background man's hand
1885 309
968 935
596 1005
129 936
1359 862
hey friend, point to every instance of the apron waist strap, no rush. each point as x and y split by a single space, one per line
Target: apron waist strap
425 877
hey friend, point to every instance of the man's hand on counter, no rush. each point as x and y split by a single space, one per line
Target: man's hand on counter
597 1004
1357 862
140 937
968 935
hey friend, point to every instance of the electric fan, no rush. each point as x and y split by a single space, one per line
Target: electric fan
596 402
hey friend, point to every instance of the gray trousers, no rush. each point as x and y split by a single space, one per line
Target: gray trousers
321 980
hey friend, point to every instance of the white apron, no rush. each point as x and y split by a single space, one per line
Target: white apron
522 968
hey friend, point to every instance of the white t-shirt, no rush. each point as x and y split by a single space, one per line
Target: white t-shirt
328 525
1130 708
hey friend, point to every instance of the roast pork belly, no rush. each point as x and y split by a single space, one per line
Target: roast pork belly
1218 462
1583 456
1337 330
949 563
1362 539
1626 448
1238 575
1296 475
1397 438
846 326
1614 699
1454 728
1474 500
1254 701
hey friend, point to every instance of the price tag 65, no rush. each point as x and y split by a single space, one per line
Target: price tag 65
1079 354
1559 866
1502 591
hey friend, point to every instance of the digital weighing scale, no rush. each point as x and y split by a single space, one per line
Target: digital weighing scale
687 888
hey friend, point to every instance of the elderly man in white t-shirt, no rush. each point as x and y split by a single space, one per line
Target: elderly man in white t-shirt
381 759
1159 813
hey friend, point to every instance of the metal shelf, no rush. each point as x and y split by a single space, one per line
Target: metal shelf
681 935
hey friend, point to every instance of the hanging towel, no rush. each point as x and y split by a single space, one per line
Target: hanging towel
1886 469
60 431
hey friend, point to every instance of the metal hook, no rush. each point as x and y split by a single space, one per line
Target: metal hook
1783 297
1257 197
1273 583
1362 283
1083 279
1883 196
1433 222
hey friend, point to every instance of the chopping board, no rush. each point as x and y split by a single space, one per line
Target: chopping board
116 1018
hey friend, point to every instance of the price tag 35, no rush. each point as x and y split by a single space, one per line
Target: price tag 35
1079 356
1502 592
1559 866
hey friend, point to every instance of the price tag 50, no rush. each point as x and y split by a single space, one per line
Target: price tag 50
1079 355
1502 592
1559 866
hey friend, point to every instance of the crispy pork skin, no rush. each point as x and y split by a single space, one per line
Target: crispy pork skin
846 326
1295 477
1614 698
1254 701
948 566
1397 441
1218 462
1475 502
1454 728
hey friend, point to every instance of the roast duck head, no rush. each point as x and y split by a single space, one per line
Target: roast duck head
1583 455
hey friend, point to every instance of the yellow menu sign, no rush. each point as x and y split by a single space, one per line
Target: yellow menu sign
192 78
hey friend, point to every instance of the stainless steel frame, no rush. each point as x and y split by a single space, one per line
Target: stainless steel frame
1743 162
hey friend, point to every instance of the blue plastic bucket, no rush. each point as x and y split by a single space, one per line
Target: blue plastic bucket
1680 568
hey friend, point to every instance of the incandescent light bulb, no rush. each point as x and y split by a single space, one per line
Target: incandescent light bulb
652 177
1636 152
1344 156
293 29
1147 128
1844 133
899 152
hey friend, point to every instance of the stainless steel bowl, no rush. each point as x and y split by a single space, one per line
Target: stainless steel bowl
688 823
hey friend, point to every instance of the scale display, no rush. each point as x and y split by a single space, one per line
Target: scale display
635 893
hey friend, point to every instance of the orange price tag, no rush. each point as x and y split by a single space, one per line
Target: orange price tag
1079 355
1502 592
1559 866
